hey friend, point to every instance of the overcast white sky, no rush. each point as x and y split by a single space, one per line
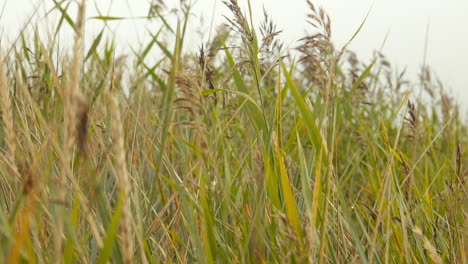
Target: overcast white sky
405 20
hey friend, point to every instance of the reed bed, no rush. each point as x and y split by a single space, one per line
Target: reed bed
243 151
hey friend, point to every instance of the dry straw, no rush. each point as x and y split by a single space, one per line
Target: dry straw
7 116
430 249
123 180
74 108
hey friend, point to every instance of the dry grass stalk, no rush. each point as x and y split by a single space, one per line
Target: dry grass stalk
207 72
74 108
431 250
412 121
189 99
459 164
189 93
123 179
7 116
75 103
415 134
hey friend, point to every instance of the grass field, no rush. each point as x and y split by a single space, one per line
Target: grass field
241 152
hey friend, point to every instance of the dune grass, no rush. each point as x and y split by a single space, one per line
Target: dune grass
242 152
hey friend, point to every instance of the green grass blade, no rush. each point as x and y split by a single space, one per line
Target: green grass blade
64 15
92 49
111 232
288 196
313 131
254 114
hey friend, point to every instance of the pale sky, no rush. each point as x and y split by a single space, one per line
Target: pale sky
405 21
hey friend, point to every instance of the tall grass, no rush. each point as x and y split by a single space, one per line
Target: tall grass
236 153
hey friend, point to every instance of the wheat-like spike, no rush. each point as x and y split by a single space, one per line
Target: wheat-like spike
73 96
430 249
123 181
72 99
7 116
